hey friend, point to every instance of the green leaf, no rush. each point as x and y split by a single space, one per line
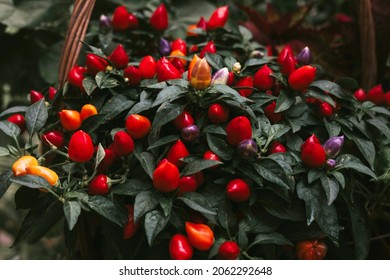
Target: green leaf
92 123
4 152
214 249
340 178
160 85
163 141
320 95
36 116
13 110
284 102
197 202
100 154
348 83
278 207
147 161
314 175
155 221
226 216
317 209
215 60
277 131
332 88
132 187
144 202
10 129
270 238
166 205
72 210
331 188
199 165
214 129
107 209
115 106
166 113
270 176
220 147
255 62
381 126
365 146
245 33
332 127
169 94
352 162
380 110
5 182
89 85
242 236
31 181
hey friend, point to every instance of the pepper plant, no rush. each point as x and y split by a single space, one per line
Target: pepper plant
201 147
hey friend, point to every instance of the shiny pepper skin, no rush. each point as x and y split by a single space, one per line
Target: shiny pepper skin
218 113
80 147
76 76
52 93
133 21
19 120
210 155
123 144
166 71
269 112
35 96
209 48
147 67
194 61
202 23
100 185
159 18
120 19
166 176
70 119
238 190
108 160
201 75
284 53
312 139
119 58
130 227
43 172
245 82
187 184
262 79
183 120
301 78
200 236
276 147
54 137
311 250
87 111
376 95
228 250
180 45
325 109
313 155
288 65
178 64
180 247
95 64
360 95
238 129
138 126
177 152
218 18
20 165
133 75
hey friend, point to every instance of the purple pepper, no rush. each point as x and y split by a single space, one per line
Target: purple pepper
165 47
190 133
304 56
333 145
220 77
330 163
247 149
104 22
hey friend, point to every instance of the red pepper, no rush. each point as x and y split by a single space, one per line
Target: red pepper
100 185
138 126
288 65
54 137
133 21
130 227
123 144
120 19
209 48
180 45
228 250
202 23
177 152
313 155
108 160
238 129
210 155
284 53
360 95
159 18
80 147
276 147
218 18
238 190
301 78
133 75
218 113
166 176
312 139
187 184
376 95
35 96
166 71
70 119
183 120
19 120
269 112
52 93
119 57
325 109
147 67
311 249
76 76
95 64
180 248
262 79
200 236
245 82
178 64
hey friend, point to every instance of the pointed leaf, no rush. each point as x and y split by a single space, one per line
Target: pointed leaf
36 116
107 209
132 187
197 202
72 210
331 188
10 129
155 221
5 182
199 165
147 161
169 94
144 202
270 238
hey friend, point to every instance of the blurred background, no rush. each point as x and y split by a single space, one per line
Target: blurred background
346 37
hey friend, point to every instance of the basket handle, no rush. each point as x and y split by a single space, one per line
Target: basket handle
77 28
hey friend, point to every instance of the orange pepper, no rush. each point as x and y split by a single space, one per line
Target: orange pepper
43 172
19 166
87 110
